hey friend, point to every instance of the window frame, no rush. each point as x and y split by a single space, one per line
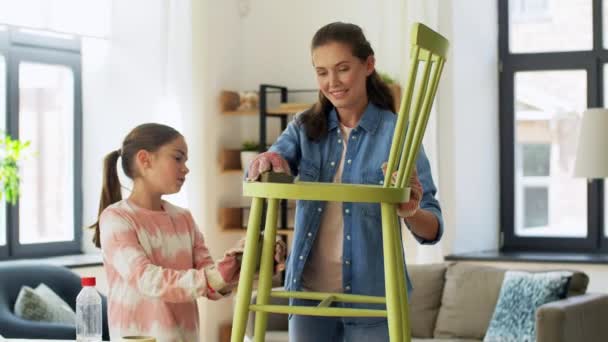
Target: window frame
18 46
592 62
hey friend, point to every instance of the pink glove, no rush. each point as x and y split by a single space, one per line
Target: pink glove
409 208
280 256
223 276
267 161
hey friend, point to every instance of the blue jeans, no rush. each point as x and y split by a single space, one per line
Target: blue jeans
333 329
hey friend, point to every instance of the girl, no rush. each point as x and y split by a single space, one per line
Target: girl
154 255
345 137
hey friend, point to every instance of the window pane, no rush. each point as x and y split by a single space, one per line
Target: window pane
2 130
46 115
605 25
536 211
550 25
549 201
537 159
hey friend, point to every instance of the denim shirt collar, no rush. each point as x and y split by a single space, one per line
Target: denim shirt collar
369 121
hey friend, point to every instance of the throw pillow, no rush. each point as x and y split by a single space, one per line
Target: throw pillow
520 295
43 305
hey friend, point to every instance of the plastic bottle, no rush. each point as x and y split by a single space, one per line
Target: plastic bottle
88 312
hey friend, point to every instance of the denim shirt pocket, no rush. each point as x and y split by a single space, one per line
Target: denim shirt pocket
372 177
308 171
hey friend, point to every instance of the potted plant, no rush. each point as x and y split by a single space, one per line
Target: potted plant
394 87
249 151
11 152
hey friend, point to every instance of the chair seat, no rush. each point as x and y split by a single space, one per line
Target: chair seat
336 192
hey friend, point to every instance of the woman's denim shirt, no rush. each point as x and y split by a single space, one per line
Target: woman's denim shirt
317 161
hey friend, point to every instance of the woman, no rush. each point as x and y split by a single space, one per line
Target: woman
345 137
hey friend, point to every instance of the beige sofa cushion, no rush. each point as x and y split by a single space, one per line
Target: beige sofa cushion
470 295
425 300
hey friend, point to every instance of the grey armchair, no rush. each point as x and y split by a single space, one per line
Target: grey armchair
60 279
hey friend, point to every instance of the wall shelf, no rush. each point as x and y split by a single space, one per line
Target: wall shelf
286 108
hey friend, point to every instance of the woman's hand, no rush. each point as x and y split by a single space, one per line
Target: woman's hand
409 208
267 161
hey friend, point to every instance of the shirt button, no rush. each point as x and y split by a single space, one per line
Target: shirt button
354 137
332 163
347 262
309 234
347 288
301 257
348 161
347 237
319 209
347 210
294 281
339 141
381 182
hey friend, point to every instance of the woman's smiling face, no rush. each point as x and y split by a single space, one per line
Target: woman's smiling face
341 76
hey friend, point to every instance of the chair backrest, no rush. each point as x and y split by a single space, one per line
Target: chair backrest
428 52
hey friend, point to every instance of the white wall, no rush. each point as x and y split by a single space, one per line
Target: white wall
276 48
468 127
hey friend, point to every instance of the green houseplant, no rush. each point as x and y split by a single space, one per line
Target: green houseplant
249 150
11 152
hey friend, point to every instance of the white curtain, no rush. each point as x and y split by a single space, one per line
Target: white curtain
89 18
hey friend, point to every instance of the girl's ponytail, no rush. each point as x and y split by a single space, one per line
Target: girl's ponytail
110 191
149 137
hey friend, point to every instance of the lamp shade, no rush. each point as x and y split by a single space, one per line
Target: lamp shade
592 150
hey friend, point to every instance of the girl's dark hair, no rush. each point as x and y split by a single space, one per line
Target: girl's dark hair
315 119
149 137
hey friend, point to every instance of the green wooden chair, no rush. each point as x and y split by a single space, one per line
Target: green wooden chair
428 55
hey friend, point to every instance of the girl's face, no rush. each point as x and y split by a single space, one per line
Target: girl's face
342 76
165 171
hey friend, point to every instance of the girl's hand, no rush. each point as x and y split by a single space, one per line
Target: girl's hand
280 256
267 161
280 253
409 208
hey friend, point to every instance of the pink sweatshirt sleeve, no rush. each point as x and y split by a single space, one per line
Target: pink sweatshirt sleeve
228 266
122 249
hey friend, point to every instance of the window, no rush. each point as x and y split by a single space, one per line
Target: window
42 103
530 11
553 65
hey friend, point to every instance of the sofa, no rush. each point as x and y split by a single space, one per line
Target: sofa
61 280
454 302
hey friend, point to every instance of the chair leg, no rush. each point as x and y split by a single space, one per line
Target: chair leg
266 269
393 307
248 266
403 294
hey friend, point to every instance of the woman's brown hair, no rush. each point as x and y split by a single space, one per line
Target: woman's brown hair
315 119
149 137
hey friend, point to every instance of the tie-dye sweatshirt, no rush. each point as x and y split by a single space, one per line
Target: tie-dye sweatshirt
155 261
